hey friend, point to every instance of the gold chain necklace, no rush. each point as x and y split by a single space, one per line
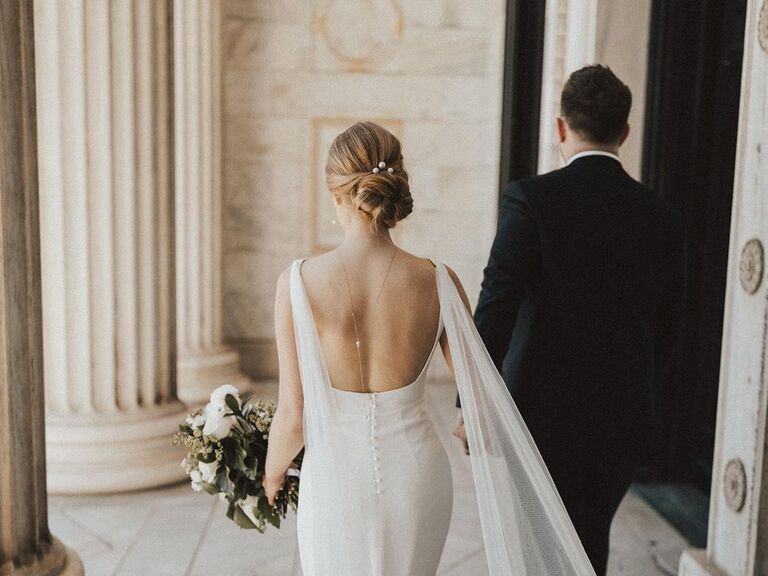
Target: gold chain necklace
352 308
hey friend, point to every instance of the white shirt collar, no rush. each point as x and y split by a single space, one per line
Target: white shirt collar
593 153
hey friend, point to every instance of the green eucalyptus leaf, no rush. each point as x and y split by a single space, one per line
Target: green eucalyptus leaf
210 488
268 512
242 520
222 481
232 403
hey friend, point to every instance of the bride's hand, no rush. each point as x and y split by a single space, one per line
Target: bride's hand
272 485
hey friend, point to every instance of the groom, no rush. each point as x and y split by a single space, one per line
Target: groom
581 303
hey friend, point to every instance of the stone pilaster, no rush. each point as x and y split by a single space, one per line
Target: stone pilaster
570 36
104 76
738 520
204 362
26 544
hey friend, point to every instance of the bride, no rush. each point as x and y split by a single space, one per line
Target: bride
356 330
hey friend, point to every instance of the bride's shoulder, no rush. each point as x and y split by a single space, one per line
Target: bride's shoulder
313 269
424 269
417 269
428 266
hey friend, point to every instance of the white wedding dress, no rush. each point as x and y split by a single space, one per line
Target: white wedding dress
376 489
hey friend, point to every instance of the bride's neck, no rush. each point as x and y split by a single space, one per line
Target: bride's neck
362 238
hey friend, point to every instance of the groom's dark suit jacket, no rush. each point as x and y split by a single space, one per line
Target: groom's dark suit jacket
580 306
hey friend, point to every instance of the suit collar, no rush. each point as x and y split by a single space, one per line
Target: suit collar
593 153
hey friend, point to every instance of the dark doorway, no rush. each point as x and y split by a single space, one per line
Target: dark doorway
521 109
694 80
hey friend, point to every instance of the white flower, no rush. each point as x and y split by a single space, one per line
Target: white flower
196 478
198 421
217 425
208 470
218 395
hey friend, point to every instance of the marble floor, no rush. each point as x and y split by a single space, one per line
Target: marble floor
177 532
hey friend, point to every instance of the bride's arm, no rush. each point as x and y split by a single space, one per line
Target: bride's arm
286 435
459 432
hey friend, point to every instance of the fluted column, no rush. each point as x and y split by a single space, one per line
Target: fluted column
570 35
26 544
204 361
737 543
106 156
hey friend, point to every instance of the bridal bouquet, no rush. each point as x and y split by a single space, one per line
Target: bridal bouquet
226 444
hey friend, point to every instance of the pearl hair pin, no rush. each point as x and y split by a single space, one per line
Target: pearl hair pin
382 166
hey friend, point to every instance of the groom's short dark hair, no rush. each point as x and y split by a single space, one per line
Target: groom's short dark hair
595 104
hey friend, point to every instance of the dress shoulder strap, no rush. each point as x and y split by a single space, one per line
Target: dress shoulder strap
439 270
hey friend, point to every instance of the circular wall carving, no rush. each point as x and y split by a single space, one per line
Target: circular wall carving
762 26
360 33
751 265
735 485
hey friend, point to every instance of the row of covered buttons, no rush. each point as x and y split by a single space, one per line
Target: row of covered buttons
374 447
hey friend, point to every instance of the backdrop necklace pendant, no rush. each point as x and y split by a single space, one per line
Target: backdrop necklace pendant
358 342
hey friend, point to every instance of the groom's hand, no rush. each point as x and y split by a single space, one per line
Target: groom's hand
461 433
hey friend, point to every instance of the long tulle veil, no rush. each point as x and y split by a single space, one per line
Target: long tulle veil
526 529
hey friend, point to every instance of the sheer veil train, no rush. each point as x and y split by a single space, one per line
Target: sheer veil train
526 529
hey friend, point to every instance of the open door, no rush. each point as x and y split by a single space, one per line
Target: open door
692 108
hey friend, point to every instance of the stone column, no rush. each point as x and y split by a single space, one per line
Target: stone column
106 186
26 544
204 361
570 33
738 520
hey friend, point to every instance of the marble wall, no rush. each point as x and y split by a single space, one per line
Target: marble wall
298 72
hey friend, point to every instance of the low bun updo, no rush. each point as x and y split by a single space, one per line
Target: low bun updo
384 195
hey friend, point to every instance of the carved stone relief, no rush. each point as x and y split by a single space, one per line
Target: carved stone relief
362 35
751 265
735 485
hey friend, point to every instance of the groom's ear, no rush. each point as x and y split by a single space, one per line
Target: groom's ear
561 129
624 134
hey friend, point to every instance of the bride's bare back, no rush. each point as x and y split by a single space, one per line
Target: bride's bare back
397 331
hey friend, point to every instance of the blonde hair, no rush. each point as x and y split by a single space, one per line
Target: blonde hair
383 195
